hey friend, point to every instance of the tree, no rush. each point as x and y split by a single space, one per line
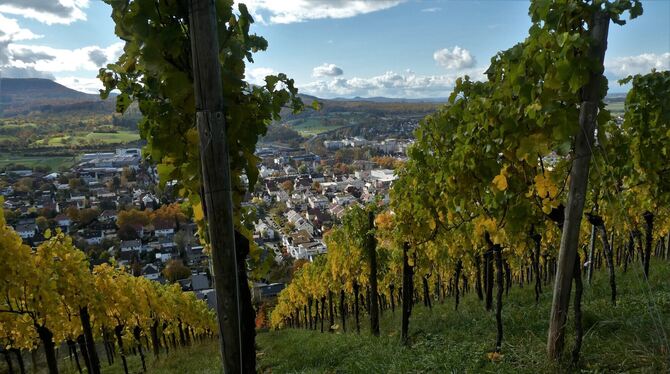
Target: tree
287 186
87 216
42 223
176 270
132 217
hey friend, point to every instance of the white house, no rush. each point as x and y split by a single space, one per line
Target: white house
164 228
93 237
26 231
131 245
163 257
151 272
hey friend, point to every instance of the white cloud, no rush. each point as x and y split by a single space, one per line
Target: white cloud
455 59
431 10
14 72
10 31
88 85
389 84
327 70
290 11
257 75
66 59
46 11
640 64
29 56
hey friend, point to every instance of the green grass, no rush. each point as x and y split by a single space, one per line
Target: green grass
314 126
201 358
616 107
54 162
120 137
617 339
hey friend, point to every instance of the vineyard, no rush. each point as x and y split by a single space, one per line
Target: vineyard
52 297
523 201
495 187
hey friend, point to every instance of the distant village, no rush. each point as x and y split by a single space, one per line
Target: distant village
111 204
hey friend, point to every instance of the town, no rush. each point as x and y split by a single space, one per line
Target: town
112 205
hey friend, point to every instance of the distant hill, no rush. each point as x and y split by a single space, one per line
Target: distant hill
382 99
22 96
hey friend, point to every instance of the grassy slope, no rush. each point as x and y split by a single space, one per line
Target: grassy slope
92 137
54 162
622 338
314 126
617 339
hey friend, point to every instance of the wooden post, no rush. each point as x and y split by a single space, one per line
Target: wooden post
216 183
592 246
372 255
407 293
579 174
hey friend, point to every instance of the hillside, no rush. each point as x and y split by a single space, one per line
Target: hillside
625 338
23 96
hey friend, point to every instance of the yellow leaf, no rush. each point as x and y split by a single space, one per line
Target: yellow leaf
47 234
198 214
494 356
500 182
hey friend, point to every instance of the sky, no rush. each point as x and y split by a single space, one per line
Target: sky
332 48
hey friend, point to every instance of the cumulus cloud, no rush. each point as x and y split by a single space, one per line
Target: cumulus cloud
66 59
455 59
14 72
327 70
257 75
98 56
88 85
431 10
290 11
30 57
10 31
389 84
46 11
641 64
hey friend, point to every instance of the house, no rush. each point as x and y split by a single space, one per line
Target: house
166 243
301 245
209 295
199 282
92 237
164 228
382 177
108 216
318 201
264 230
151 272
64 222
163 257
130 245
264 291
317 216
26 231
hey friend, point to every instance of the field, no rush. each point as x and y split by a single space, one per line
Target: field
630 337
314 126
91 138
616 108
53 162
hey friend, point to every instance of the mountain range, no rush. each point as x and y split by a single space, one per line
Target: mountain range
26 96
23 96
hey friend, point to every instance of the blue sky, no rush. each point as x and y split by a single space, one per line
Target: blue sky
332 48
